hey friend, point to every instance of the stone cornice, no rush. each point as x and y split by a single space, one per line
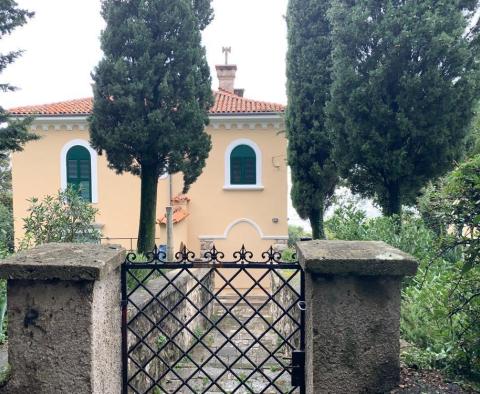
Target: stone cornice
217 122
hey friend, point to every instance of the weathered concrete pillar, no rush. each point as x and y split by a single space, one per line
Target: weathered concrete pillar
353 299
64 320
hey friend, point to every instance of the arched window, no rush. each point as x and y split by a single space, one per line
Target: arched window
79 171
243 166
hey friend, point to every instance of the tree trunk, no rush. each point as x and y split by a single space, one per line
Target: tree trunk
148 209
393 204
316 221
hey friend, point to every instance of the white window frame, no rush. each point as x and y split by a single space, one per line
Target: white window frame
258 153
93 166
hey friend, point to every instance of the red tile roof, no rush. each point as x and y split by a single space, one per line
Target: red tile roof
181 198
225 103
179 213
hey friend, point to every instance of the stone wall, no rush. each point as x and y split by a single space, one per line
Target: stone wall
175 312
352 330
64 319
206 245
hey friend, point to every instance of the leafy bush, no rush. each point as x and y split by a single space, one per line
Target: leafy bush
295 233
409 234
66 217
456 204
6 228
439 315
289 255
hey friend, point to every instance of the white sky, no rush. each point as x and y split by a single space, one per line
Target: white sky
62 47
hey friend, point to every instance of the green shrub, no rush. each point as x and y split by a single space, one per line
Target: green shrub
441 305
410 234
66 217
6 228
295 233
457 205
289 255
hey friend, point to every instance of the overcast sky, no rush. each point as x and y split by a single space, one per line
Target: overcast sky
62 47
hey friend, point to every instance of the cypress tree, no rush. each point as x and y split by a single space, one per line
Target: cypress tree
14 132
405 79
152 94
314 175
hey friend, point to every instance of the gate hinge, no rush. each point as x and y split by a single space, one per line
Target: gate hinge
298 368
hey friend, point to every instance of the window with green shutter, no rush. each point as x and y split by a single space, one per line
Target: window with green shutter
243 166
79 171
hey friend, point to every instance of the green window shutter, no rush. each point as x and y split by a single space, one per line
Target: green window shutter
243 166
79 171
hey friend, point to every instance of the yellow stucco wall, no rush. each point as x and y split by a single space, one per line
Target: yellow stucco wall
248 214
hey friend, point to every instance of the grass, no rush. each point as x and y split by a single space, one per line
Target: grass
275 368
4 375
140 274
161 340
198 332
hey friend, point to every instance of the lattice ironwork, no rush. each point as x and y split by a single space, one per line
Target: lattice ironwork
212 325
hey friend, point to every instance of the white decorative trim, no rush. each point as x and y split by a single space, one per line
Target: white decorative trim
247 121
243 187
238 221
94 166
228 121
258 184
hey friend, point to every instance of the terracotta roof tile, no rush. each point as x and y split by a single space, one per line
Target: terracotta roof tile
179 213
180 199
225 103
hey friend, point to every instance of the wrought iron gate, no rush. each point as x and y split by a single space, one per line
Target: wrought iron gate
212 325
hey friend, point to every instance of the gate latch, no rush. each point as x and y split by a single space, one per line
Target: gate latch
298 368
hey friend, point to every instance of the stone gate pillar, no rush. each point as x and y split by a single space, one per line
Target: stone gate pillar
64 320
352 292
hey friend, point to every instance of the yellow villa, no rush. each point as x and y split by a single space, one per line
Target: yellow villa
240 198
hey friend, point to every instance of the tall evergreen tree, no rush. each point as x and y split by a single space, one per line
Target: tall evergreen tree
152 94
13 132
314 175
405 78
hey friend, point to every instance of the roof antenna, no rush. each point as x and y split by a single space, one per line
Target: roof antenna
226 51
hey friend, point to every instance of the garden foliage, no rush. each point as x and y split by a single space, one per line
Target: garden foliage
443 328
295 233
66 217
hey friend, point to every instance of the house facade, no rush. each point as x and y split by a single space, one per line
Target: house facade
240 198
